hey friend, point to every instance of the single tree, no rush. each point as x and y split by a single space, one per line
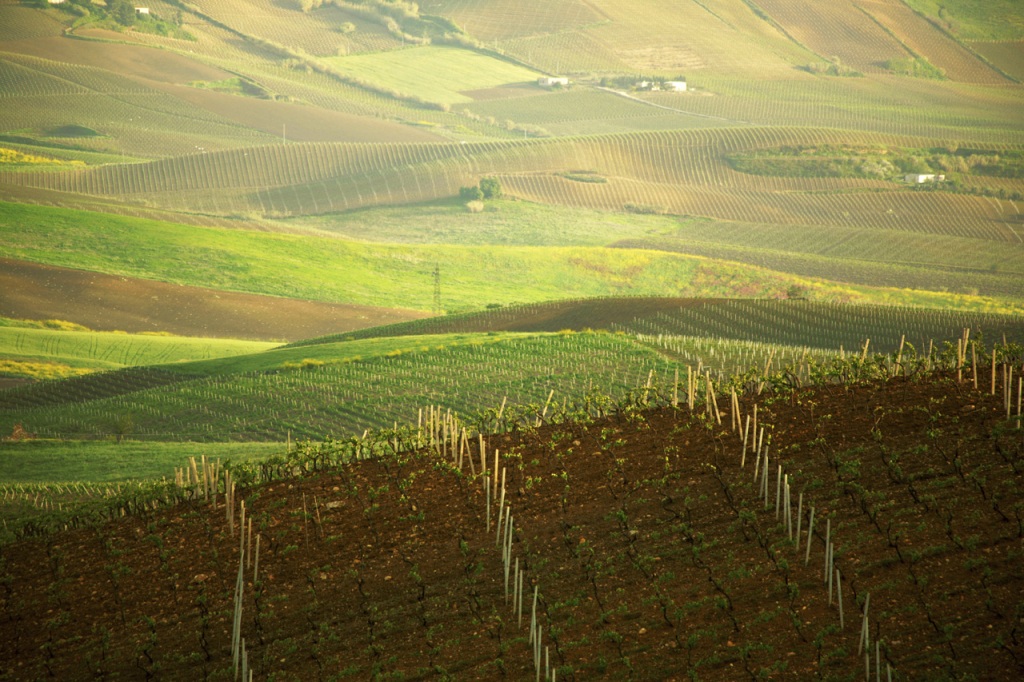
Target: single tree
471 193
491 188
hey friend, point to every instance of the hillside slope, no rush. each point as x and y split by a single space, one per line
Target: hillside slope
637 543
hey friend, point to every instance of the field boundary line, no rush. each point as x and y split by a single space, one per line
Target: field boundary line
668 108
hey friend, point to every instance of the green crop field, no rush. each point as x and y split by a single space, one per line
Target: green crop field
87 350
337 270
820 325
47 462
799 323
502 19
343 387
975 19
337 393
434 73
502 222
341 134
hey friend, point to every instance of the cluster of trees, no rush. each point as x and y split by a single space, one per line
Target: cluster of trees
833 67
489 188
880 162
121 13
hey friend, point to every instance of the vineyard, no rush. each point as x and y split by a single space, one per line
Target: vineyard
823 325
679 172
796 323
351 108
800 533
371 379
322 393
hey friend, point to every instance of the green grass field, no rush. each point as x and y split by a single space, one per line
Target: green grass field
502 223
433 73
26 348
976 19
397 275
43 461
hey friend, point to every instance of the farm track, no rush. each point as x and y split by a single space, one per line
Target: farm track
651 553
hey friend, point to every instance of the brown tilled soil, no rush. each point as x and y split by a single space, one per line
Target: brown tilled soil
645 541
126 60
298 122
108 302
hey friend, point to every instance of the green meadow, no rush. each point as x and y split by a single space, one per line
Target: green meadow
46 461
94 351
400 275
434 73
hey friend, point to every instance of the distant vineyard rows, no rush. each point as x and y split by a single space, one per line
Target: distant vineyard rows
678 172
321 399
822 325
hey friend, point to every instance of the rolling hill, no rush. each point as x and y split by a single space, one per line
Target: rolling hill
283 116
476 363
638 545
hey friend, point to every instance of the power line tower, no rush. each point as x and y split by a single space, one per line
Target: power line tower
437 289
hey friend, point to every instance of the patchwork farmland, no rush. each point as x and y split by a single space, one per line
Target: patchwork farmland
472 345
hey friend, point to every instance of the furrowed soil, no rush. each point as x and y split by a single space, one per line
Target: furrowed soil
107 302
641 534
128 60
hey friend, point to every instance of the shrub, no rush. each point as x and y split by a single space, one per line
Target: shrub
472 193
475 206
491 188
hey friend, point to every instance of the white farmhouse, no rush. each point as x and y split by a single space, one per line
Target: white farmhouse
675 86
552 82
142 10
921 178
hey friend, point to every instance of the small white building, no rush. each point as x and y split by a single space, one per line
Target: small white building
921 178
142 10
552 82
675 86
56 2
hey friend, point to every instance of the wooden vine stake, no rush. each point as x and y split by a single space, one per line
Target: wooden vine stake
828 542
746 433
839 595
799 518
993 392
810 536
487 495
1020 393
236 630
778 493
483 457
690 387
899 355
864 634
